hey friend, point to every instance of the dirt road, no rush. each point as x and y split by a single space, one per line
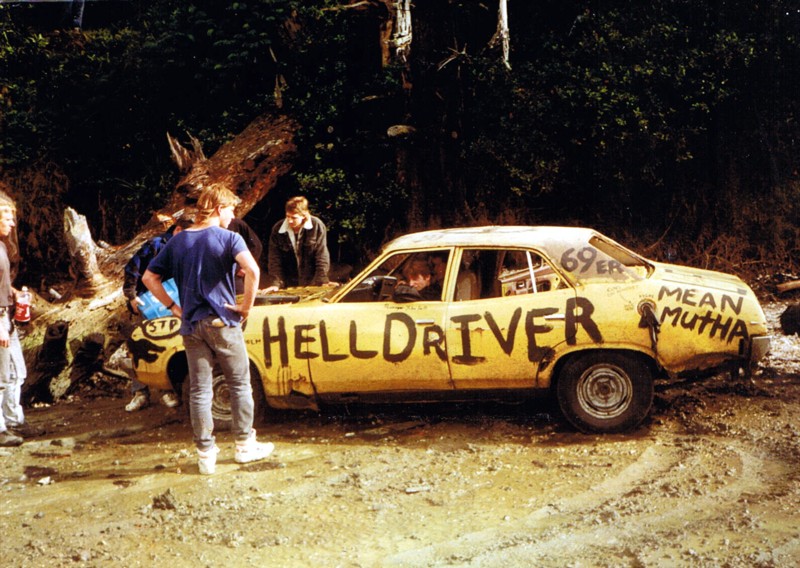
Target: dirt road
711 479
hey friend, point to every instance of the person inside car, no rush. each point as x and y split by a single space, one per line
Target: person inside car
418 284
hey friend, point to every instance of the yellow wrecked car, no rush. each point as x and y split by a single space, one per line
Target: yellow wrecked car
508 312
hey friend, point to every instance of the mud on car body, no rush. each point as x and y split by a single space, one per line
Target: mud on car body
523 311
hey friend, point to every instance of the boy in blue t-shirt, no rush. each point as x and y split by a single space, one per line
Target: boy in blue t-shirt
203 261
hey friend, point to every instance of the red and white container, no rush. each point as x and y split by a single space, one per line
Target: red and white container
22 312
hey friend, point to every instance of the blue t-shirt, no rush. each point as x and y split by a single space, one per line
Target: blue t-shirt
203 264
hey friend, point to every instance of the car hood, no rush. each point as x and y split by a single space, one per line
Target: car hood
300 294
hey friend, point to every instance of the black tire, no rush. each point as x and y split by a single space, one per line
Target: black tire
220 404
605 391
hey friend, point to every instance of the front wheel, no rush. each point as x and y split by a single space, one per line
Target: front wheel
605 392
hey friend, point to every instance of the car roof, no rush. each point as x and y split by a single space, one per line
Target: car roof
494 235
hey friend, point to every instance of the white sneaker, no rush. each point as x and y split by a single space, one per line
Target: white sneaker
207 461
170 399
250 450
139 401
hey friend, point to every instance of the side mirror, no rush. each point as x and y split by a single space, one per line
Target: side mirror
373 289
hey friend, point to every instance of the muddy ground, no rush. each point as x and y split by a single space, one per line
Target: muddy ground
711 479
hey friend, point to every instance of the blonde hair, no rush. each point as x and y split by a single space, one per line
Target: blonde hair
297 204
216 195
7 204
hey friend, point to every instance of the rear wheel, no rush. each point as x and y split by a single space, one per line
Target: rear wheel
605 391
220 404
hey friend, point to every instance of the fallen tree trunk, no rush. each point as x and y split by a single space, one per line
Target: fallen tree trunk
250 165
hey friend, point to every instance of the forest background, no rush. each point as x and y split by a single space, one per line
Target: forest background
670 125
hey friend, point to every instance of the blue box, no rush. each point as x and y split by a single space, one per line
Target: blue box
152 308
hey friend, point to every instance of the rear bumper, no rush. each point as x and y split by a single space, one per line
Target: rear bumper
759 347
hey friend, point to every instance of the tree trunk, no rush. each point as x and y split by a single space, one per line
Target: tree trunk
502 35
82 252
396 32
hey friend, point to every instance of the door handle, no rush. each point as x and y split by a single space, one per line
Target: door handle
425 322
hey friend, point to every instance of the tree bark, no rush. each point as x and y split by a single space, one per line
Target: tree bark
396 32
82 252
502 35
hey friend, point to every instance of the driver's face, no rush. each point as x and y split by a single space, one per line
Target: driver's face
419 281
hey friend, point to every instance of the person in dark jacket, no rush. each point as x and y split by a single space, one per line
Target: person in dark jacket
298 249
418 284
133 287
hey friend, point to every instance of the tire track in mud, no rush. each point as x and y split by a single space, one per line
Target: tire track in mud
695 495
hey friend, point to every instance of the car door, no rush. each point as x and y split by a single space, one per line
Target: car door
516 313
368 343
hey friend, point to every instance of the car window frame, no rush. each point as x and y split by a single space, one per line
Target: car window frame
564 281
368 272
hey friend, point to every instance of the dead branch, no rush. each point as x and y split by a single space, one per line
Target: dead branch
787 286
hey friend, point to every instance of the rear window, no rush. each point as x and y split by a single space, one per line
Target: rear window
603 260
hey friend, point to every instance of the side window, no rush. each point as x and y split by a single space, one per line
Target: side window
494 273
423 277
468 280
422 271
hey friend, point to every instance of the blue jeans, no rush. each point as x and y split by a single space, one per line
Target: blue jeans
12 377
73 13
224 345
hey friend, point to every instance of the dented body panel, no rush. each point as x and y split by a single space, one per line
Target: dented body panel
516 304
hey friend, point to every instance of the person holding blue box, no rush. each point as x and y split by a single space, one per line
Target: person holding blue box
150 308
137 295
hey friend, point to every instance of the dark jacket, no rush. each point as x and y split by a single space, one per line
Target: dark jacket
134 269
404 293
309 267
249 235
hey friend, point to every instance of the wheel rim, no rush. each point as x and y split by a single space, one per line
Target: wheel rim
605 391
221 402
